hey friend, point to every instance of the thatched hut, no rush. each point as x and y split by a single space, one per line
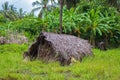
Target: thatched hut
58 47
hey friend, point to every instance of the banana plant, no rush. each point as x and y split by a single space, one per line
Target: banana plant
96 24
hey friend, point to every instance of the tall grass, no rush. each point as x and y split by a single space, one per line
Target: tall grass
104 65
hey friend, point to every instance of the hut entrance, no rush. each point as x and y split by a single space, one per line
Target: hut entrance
46 52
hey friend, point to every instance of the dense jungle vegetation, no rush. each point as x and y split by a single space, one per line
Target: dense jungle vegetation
94 20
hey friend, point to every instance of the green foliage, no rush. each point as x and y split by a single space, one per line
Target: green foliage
10 12
104 65
2 31
50 22
12 48
95 21
99 22
2 19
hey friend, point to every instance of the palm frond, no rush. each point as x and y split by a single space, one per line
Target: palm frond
36 3
36 9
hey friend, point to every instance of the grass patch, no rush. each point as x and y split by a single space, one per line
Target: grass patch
104 65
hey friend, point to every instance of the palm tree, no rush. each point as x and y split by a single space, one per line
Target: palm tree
9 11
21 13
43 6
12 8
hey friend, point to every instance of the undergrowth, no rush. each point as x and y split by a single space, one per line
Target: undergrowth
103 65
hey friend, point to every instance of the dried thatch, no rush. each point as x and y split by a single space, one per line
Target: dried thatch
18 39
2 40
59 47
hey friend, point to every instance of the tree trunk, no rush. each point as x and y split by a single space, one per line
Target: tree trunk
106 41
61 7
92 40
